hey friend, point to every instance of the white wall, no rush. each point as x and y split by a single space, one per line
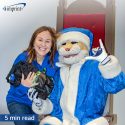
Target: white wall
119 103
16 29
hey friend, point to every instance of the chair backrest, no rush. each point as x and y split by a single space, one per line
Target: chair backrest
93 22
95 16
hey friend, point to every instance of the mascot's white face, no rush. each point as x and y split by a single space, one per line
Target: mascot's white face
71 52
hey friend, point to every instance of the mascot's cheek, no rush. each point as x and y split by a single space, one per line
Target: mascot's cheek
61 51
82 46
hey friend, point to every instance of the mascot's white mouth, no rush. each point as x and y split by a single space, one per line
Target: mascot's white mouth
68 56
73 55
73 58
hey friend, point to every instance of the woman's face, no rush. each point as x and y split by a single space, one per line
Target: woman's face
43 43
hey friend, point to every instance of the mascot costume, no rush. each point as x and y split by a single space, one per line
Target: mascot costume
80 93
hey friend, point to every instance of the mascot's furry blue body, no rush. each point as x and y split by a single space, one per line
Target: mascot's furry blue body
80 95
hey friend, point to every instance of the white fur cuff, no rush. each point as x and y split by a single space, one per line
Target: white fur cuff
45 108
50 120
99 121
111 69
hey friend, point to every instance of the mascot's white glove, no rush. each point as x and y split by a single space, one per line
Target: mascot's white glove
33 96
39 106
100 55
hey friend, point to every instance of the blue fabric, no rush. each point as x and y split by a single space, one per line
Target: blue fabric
92 94
17 108
19 93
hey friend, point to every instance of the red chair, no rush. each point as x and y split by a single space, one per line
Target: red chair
97 17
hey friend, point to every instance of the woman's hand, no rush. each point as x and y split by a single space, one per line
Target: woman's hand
28 81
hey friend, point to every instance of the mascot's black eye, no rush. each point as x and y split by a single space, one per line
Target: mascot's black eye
64 44
74 42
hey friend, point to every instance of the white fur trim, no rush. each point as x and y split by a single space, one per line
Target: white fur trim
111 69
50 120
99 121
73 121
73 36
107 106
43 110
59 64
70 90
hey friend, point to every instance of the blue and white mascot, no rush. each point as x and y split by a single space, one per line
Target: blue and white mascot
80 93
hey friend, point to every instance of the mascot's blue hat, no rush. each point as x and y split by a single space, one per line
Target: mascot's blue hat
76 34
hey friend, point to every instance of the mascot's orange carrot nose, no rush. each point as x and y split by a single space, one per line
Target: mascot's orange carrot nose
68 46
67 49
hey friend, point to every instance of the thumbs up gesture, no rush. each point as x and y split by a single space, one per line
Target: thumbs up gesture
100 54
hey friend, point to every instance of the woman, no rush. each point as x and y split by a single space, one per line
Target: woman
41 52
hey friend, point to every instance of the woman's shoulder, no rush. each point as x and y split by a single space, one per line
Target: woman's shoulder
21 57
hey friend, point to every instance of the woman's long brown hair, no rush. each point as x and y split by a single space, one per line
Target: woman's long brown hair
30 49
